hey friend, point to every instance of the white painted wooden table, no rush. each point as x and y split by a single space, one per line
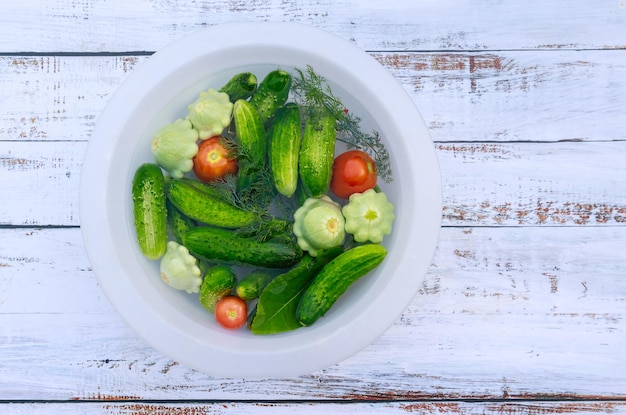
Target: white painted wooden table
524 308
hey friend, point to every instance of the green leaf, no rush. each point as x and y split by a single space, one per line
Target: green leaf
277 305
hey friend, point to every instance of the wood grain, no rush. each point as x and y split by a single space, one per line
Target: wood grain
281 408
52 98
504 313
41 179
117 25
524 184
486 96
515 96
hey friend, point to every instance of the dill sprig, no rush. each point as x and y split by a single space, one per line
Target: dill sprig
314 95
256 196
257 199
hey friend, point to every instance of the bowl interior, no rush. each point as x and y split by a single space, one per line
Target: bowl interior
173 321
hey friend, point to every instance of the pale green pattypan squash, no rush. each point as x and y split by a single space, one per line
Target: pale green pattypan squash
210 114
179 269
369 216
174 146
319 224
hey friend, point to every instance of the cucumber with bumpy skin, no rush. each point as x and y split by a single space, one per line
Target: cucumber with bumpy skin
240 86
222 245
335 278
250 130
149 210
205 206
272 93
218 282
177 222
251 286
317 154
251 135
213 191
284 142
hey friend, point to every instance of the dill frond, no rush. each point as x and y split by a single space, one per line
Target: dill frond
315 97
260 191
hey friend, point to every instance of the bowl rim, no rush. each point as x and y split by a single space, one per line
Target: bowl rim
268 360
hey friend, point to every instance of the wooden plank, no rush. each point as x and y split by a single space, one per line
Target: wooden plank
529 184
502 314
516 96
41 181
484 184
278 408
117 25
44 270
496 96
51 98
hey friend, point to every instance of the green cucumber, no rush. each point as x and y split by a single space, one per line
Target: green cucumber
251 135
218 282
284 148
302 194
251 286
222 245
271 94
213 191
205 207
335 278
149 210
240 86
177 222
250 130
317 154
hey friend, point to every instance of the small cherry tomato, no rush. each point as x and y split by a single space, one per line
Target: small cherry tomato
212 162
353 172
231 312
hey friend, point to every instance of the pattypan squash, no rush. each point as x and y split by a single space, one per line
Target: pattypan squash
179 269
210 113
174 146
369 216
319 224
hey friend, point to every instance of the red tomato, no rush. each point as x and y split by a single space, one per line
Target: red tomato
212 161
231 312
353 172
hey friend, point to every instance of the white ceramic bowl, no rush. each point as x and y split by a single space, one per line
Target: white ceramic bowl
156 93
